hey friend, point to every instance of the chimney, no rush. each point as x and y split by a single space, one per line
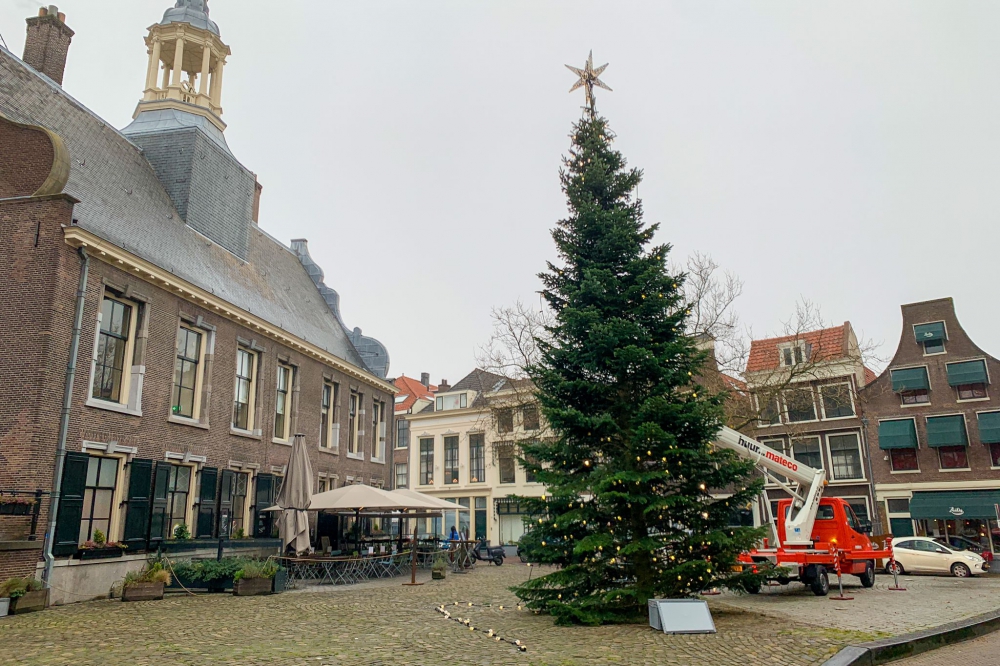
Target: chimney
425 379
47 43
257 188
443 386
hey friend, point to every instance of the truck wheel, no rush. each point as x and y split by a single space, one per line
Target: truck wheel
894 567
752 588
959 570
821 583
868 577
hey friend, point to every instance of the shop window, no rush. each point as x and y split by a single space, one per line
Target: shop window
799 405
529 417
506 461
845 457
903 460
243 401
953 457
113 357
99 497
477 458
426 461
837 401
451 459
187 366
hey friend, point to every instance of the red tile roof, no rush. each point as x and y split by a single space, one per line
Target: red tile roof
824 345
413 390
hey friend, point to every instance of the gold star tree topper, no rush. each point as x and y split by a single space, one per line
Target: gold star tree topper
588 79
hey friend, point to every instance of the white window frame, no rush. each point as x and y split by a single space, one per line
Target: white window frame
285 435
868 505
861 457
332 427
784 403
405 471
850 393
125 403
923 347
378 431
778 411
354 447
968 444
252 397
819 442
986 385
207 342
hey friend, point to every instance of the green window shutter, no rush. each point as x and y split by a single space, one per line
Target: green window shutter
66 540
967 372
158 522
206 502
897 435
946 431
929 332
226 481
989 428
909 379
140 482
263 498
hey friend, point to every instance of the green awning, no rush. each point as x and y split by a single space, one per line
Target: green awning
989 428
968 372
946 431
928 332
897 435
970 504
909 379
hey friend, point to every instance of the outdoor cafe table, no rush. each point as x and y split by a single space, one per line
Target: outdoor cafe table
345 570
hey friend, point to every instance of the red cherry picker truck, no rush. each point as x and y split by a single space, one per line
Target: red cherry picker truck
816 536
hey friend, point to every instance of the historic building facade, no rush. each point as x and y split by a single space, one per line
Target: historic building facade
413 397
804 389
935 417
464 448
163 350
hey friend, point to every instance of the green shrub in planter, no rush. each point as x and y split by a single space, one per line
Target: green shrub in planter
146 584
26 594
440 566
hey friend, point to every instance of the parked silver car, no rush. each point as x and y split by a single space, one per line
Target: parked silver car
925 555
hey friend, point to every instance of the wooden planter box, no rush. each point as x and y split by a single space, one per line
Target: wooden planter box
143 592
98 553
15 509
249 587
30 602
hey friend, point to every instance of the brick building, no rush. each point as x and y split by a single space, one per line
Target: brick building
161 349
804 389
413 397
935 421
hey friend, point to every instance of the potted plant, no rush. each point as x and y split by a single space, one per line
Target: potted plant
15 506
26 594
146 584
239 534
214 575
254 578
440 566
99 548
182 533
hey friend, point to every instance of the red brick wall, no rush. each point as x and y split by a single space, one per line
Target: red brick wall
47 45
18 563
27 159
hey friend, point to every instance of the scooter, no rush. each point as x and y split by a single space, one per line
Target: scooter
494 553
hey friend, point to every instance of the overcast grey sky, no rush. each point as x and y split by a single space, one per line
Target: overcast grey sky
845 152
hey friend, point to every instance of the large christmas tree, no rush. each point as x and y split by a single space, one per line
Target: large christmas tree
638 504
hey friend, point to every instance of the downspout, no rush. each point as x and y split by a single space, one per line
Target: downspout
74 347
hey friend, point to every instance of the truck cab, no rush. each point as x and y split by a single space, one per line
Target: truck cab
836 526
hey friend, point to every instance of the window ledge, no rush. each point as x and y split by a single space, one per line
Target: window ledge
839 418
378 461
957 469
847 482
916 404
332 452
112 407
282 442
183 420
904 471
401 448
249 434
355 456
974 399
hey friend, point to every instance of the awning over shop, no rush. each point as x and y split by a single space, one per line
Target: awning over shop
928 332
946 431
967 372
897 435
989 427
909 379
950 505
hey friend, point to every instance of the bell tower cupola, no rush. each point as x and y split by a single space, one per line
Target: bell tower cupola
186 60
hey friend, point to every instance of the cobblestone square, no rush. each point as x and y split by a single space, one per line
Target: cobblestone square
384 622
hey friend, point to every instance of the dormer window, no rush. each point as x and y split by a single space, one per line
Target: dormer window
457 401
932 336
793 354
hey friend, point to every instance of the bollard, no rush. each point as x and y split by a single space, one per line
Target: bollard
840 578
895 577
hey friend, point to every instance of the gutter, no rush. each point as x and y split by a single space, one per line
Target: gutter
74 348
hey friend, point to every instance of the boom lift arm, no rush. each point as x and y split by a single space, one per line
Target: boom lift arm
800 519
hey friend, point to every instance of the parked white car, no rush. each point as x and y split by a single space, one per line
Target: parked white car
925 555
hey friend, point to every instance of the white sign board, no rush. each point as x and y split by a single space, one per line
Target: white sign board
681 616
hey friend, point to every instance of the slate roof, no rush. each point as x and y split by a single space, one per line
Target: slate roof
824 345
122 201
413 390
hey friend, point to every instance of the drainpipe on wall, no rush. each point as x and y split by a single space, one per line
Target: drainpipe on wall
74 347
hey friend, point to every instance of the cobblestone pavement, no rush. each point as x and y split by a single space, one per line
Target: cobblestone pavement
982 651
384 623
928 601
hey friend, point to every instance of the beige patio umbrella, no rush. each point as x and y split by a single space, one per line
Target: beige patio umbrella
360 497
436 502
295 498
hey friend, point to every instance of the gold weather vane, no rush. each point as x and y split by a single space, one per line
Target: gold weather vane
588 79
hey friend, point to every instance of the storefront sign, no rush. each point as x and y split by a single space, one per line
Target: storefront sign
956 511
